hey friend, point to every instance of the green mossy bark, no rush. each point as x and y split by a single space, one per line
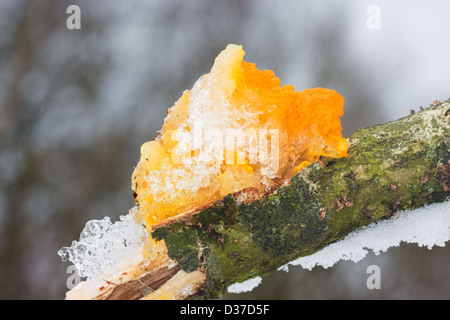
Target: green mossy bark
399 165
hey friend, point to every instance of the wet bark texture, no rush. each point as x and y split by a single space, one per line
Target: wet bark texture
395 166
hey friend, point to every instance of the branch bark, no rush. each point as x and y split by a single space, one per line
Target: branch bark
399 165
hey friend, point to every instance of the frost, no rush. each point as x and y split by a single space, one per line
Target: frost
428 226
245 286
104 247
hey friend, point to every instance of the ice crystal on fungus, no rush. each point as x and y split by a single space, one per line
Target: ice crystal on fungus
277 132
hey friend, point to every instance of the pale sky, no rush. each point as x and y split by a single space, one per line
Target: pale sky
413 39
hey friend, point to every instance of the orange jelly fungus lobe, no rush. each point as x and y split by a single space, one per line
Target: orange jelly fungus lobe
236 128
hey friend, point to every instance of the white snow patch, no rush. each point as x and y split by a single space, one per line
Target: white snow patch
245 286
427 226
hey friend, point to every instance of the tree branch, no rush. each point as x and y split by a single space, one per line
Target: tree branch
395 166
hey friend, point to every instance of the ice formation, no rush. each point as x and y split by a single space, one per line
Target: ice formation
427 227
104 247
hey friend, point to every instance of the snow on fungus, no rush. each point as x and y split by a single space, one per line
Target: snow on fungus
236 128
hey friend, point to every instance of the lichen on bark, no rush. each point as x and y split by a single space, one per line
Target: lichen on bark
399 165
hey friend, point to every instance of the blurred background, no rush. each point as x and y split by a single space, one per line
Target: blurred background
76 105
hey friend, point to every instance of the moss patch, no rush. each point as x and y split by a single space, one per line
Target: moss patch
182 245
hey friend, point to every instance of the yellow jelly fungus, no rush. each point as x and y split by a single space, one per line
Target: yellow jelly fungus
236 128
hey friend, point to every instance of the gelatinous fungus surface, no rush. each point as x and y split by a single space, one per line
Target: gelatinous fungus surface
237 128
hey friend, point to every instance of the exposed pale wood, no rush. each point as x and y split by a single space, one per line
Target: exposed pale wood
132 282
183 285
